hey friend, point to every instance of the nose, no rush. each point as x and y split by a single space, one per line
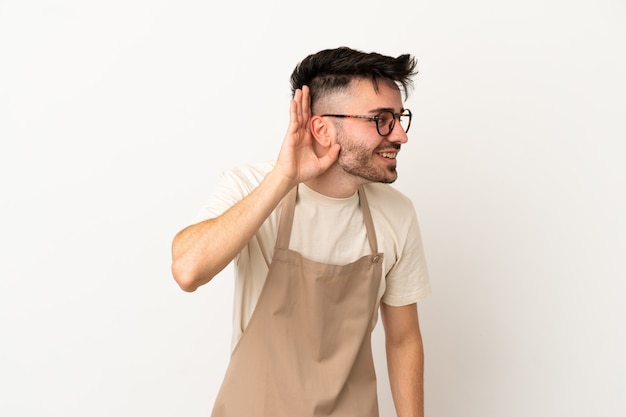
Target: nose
398 135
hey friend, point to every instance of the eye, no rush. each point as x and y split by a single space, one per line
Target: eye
385 117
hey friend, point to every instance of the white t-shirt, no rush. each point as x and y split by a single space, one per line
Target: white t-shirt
328 230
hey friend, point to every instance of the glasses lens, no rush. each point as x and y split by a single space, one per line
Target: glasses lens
405 120
385 122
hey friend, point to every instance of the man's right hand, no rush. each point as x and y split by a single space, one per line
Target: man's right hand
298 161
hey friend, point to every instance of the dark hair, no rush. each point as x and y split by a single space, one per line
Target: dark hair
333 69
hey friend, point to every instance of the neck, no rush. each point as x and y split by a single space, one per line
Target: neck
336 183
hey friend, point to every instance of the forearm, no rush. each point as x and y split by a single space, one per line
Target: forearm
405 358
405 365
202 250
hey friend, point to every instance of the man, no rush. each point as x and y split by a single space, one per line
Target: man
320 242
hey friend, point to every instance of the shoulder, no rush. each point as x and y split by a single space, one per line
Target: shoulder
233 185
392 211
386 198
247 177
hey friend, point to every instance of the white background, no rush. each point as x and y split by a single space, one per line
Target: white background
117 117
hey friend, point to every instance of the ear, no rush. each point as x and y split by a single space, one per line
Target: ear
322 131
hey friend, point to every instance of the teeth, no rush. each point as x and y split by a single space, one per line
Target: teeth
389 155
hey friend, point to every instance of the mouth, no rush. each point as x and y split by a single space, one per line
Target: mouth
389 152
388 155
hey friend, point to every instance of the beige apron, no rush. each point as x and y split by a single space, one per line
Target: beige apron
306 351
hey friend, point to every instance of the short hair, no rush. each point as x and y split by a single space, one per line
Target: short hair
332 70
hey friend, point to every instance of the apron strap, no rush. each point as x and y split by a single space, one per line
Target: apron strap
367 218
286 219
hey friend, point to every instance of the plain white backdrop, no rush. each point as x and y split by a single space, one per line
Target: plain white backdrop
117 117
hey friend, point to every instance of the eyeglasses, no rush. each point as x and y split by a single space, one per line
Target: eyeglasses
385 120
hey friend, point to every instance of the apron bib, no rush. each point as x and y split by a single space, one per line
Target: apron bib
306 351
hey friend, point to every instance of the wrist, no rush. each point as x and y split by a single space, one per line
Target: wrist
278 182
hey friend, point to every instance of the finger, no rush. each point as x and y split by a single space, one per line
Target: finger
306 102
297 98
293 117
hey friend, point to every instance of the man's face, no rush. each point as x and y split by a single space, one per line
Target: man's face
364 153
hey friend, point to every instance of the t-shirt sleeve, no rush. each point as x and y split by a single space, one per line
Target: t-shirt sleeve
232 186
226 193
408 281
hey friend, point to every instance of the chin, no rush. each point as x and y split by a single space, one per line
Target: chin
370 173
389 180
383 179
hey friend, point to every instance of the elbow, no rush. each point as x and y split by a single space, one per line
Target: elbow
186 278
190 270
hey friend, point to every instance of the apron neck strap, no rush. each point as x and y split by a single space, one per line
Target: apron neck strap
286 219
367 218
288 208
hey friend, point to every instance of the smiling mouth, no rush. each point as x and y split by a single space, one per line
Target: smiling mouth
388 155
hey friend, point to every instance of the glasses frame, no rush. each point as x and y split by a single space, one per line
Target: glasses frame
377 118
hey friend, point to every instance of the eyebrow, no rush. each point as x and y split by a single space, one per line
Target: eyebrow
379 109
